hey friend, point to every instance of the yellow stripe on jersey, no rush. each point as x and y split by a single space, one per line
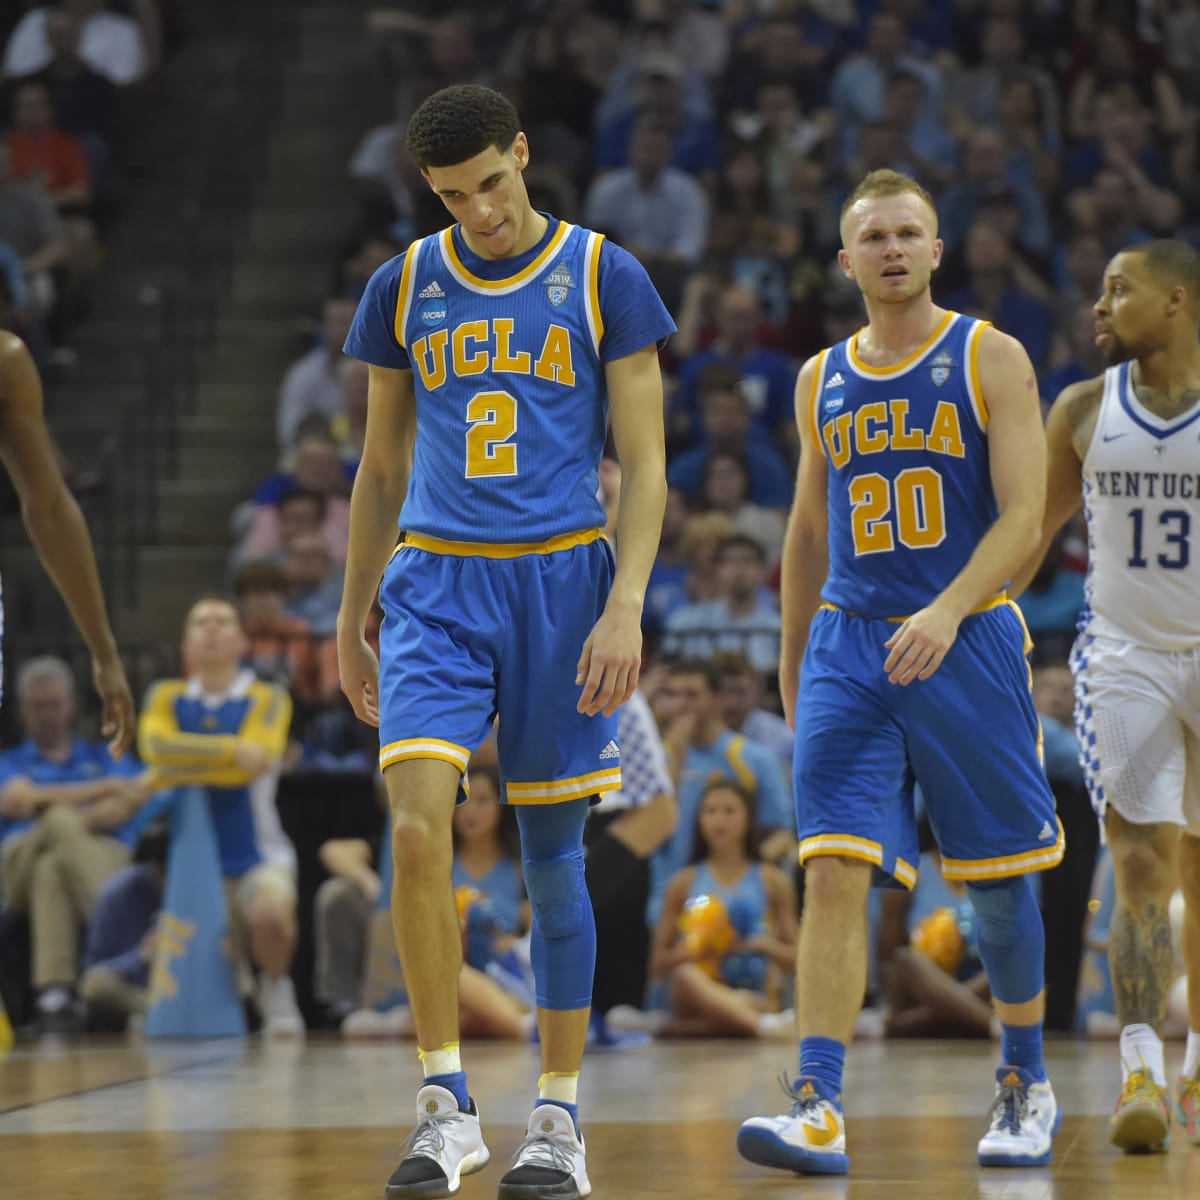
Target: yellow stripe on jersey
814 399
404 296
904 363
592 270
435 545
997 601
495 286
410 748
562 790
974 384
1011 864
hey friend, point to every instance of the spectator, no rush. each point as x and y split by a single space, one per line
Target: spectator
311 384
1079 358
302 510
350 429
1079 271
121 938
223 730
1031 140
726 425
700 748
314 583
1120 211
68 816
742 617
726 488
767 378
111 44
656 212
316 466
1123 141
281 648
42 154
30 224
1052 603
666 590
740 696
702 534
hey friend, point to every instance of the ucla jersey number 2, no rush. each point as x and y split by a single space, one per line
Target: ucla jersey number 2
491 422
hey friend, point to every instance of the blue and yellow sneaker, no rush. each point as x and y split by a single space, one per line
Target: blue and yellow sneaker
1022 1121
1142 1122
1187 1108
809 1139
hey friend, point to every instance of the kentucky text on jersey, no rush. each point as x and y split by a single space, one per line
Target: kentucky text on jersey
910 493
1151 485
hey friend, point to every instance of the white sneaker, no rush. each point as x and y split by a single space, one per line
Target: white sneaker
809 1139
1022 1122
280 1012
446 1145
624 1018
779 1027
363 1023
551 1163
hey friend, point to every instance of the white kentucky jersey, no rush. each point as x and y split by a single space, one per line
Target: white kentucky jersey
1141 493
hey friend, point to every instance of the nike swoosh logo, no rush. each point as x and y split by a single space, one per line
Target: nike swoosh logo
1112 437
826 1136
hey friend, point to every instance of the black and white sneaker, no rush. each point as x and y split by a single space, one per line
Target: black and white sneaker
551 1163
446 1145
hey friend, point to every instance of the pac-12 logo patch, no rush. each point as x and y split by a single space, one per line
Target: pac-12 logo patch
940 367
835 393
558 284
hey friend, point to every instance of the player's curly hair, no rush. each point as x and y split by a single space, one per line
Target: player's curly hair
459 122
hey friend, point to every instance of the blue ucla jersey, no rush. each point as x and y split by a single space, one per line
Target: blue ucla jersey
910 492
508 362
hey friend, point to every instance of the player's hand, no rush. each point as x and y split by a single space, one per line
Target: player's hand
611 660
108 674
918 647
358 670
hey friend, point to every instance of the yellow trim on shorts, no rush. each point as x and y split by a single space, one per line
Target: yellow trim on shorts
845 844
411 748
905 873
997 601
436 545
561 790
1041 859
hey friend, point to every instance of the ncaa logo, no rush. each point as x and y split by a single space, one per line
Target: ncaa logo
940 367
834 400
434 314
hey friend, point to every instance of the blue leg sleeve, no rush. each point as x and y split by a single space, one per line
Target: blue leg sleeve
1012 942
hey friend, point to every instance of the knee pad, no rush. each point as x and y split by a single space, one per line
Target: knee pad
1012 941
996 906
557 893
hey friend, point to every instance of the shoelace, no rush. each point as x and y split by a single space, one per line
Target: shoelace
803 1107
428 1140
1139 1081
1009 1108
546 1150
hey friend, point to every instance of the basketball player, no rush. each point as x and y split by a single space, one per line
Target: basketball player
1133 432
58 532
920 491
497 350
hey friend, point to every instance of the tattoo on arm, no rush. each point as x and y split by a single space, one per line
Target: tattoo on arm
1141 958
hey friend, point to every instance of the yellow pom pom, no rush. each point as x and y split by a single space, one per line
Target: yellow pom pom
464 897
708 933
939 938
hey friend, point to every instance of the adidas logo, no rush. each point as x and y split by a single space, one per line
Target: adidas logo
428 293
1046 834
836 381
612 750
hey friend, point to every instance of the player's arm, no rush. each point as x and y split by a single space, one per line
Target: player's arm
1063 468
611 658
375 503
58 532
805 561
1017 464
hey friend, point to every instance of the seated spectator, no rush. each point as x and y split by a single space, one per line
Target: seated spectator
121 938
1077 358
726 425
350 429
703 533
111 44
992 292
655 211
366 254
1079 268
385 175
1031 140
30 224
1124 141
311 384
666 589
301 510
281 648
41 153
69 814
223 730
1119 209
725 488
726 935
701 748
314 583
766 376
740 696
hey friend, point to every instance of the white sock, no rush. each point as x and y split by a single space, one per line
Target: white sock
445 1060
1191 1056
54 999
562 1086
1142 1050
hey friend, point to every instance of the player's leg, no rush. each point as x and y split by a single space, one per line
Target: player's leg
973 738
850 780
1187 1099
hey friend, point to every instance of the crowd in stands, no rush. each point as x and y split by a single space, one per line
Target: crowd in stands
715 141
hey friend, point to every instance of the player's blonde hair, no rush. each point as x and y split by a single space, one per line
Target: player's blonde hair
883 183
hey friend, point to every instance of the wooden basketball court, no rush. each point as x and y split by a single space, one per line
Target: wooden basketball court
314 1121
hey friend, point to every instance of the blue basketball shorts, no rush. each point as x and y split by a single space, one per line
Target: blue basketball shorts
969 735
472 632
